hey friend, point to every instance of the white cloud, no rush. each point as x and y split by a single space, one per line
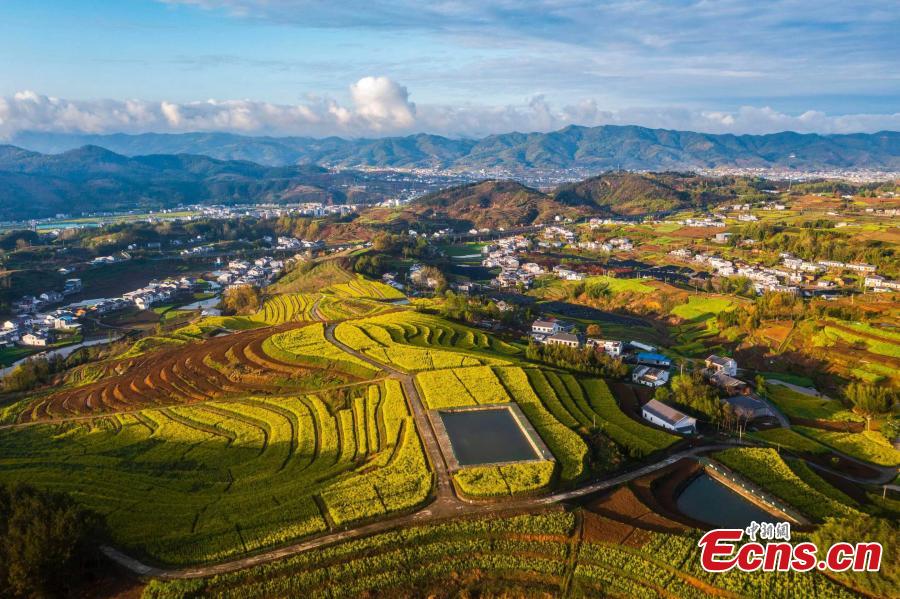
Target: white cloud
380 106
383 103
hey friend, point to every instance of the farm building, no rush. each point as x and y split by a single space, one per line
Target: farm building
719 364
612 348
652 377
653 359
729 384
567 339
748 406
668 417
545 327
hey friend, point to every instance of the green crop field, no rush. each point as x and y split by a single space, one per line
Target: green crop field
868 446
508 479
538 555
201 483
873 340
414 342
808 493
703 307
789 439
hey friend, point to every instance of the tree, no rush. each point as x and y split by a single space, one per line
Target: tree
45 540
244 299
691 390
760 384
594 330
870 400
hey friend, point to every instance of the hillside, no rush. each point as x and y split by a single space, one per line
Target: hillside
600 148
635 194
491 204
34 185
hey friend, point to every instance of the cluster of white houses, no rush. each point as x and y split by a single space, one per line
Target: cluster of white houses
793 273
240 273
37 330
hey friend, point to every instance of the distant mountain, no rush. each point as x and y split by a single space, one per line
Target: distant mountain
588 148
91 178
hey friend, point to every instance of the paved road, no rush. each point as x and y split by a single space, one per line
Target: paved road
445 497
428 514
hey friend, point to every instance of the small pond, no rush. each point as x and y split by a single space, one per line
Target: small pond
486 437
707 500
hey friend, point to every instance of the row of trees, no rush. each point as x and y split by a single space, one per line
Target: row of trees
587 359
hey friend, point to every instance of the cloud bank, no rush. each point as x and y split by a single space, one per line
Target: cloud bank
380 106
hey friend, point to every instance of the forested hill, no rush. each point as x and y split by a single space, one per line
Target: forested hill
91 178
601 148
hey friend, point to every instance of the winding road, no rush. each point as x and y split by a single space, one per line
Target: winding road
446 505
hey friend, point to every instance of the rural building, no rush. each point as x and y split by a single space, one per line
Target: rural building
545 327
653 359
612 348
718 364
641 346
668 417
729 384
748 407
35 339
651 377
562 338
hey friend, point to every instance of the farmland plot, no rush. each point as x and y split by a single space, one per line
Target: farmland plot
199 483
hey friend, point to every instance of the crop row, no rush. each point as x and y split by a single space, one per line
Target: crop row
567 446
198 483
403 559
766 468
307 345
508 479
638 439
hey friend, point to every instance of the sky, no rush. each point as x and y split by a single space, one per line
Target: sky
452 67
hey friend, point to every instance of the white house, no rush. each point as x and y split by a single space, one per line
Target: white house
668 417
722 365
545 327
35 339
612 348
649 376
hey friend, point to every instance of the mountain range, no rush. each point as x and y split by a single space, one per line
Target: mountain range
586 148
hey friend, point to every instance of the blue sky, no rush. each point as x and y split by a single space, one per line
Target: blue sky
455 67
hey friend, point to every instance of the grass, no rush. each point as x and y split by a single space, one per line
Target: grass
799 405
789 439
868 446
794 379
703 307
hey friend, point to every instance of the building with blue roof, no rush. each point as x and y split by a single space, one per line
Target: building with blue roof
653 359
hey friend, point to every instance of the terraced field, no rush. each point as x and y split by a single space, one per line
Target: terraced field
413 341
192 372
553 554
790 480
559 406
196 483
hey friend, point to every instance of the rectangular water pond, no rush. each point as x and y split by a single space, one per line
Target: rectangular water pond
487 436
